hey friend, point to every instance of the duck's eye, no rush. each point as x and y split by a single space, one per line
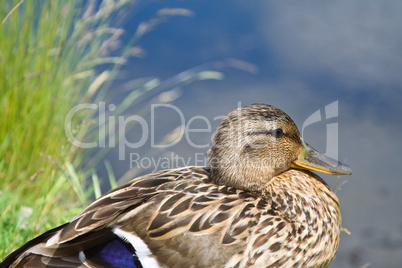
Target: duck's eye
278 133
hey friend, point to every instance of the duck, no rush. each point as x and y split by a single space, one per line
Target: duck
257 204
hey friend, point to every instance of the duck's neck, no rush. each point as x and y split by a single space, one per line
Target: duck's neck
241 173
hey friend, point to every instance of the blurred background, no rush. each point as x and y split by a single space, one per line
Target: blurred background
300 56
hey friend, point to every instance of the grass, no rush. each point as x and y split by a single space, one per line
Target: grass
54 55
49 52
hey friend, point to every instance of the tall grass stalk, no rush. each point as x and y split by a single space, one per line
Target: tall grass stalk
48 54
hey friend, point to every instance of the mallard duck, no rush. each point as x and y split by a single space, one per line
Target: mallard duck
255 205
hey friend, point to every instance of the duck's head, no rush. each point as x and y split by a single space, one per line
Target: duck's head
257 142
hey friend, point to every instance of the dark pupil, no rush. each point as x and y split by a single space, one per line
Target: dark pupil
278 132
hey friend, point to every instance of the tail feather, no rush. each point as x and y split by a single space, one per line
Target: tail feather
100 249
21 252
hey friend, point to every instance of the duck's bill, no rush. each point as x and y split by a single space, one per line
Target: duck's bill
310 159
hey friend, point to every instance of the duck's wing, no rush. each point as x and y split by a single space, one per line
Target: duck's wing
161 219
175 218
